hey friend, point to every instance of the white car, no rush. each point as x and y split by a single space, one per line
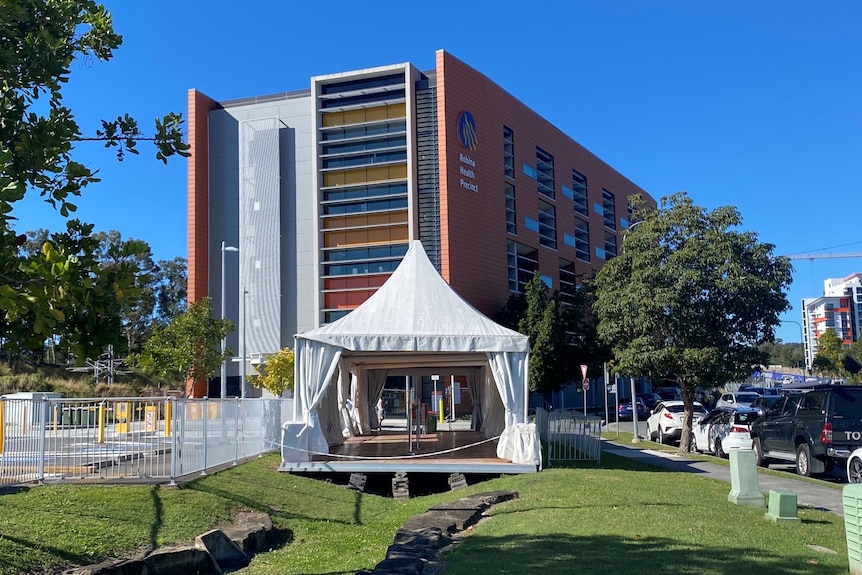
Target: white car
665 423
737 399
854 466
723 430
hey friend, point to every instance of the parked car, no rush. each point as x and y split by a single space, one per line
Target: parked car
723 431
773 391
737 399
624 411
854 466
665 423
818 430
650 400
671 393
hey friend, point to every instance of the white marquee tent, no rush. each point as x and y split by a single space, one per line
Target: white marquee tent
414 323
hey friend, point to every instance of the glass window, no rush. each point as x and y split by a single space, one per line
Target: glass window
609 210
582 240
511 226
846 404
512 261
789 407
523 263
508 152
531 224
610 245
547 225
579 193
530 171
362 84
545 173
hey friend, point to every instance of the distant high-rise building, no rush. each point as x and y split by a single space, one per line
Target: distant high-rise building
839 308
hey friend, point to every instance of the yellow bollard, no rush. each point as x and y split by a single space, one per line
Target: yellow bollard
440 410
168 409
101 432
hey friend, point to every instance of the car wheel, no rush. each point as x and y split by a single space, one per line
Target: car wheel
661 438
803 460
648 432
854 471
759 460
719 450
692 445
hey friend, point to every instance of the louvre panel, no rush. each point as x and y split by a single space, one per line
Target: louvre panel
259 248
428 188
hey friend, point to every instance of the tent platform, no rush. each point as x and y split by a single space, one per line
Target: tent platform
467 452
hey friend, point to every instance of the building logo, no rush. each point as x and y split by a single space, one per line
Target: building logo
467 130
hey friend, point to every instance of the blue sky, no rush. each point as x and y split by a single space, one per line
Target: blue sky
751 104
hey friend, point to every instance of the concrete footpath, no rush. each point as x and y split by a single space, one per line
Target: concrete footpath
816 494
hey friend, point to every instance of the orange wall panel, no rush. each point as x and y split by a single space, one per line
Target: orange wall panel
473 222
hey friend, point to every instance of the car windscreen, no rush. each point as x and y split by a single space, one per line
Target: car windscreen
746 397
675 408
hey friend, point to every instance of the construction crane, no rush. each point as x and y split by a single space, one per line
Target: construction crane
824 256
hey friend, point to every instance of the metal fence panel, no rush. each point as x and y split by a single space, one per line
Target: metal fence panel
65 439
569 435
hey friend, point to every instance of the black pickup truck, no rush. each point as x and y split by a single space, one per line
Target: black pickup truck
818 429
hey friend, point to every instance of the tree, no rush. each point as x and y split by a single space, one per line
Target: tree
186 350
276 374
830 353
170 284
561 337
690 298
41 39
91 282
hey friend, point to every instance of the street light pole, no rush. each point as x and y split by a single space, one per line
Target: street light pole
224 248
242 383
636 436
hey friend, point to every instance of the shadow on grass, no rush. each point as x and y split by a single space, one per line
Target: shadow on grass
599 555
158 517
250 503
613 461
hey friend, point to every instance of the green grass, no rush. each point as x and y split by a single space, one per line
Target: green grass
618 519
625 516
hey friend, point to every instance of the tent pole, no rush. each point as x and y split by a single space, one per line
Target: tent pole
409 404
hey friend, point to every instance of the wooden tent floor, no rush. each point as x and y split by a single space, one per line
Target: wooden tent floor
389 451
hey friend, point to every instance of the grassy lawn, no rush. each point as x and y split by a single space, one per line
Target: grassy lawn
623 517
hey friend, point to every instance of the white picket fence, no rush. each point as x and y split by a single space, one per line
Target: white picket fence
569 435
48 439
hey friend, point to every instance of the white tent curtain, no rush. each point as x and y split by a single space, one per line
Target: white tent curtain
315 366
510 374
345 401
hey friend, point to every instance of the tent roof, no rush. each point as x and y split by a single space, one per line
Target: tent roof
416 310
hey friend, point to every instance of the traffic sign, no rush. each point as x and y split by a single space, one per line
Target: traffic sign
586 384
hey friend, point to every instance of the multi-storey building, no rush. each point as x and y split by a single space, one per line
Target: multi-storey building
839 309
321 190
